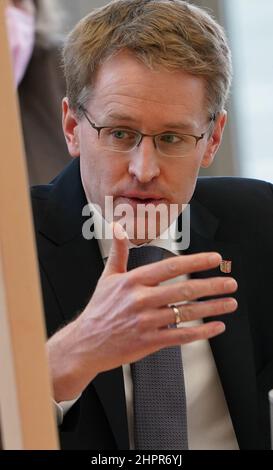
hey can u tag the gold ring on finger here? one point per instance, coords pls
(177, 313)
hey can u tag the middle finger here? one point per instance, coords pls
(189, 290)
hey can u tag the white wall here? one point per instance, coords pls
(79, 8)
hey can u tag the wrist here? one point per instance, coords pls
(68, 374)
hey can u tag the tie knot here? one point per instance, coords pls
(144, 255)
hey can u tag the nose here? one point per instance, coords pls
(144, 162)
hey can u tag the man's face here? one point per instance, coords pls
(129, 94)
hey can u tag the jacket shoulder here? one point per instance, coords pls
(242, 195)
(39, 197)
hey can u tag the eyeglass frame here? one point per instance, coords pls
(141, 135)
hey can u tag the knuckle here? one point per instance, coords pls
(138, 299)
(187, 292)
(186, 313)
(196, 261)
(219, 283)
(210, 285)
(213, 307)
(172, 267)
(186, 335)
(141, 324)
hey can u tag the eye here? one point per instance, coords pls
(170, 138)
(120, 134)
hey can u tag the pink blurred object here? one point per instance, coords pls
(21, 34)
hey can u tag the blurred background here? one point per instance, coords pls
(247, 147)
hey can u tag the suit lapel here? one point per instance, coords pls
(233, 350)
(73, 266)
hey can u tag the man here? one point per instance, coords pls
(147, 83)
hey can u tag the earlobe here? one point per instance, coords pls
(70, 129)
(208, 160)
(215, 140)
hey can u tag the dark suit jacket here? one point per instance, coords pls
(231, 215)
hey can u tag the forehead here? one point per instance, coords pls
(126, 85)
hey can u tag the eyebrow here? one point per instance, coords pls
(182, 126)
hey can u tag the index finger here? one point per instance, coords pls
(154, 273)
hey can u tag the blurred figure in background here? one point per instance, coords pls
(34, 34)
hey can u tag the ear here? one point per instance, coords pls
(70, 129)
(214, 140)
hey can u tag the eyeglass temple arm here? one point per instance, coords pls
(81, 108)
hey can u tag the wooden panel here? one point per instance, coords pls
(26, 411)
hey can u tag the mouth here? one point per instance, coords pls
(136, 200)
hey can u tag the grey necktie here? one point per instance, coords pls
(160, 417)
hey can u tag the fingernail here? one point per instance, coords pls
(230, 284)
(220, 328)
(230, 305)
(215, 258)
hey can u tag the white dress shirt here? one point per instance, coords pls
(209, 423)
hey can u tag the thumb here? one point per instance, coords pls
(118, 256)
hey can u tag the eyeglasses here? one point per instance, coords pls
(169, 144)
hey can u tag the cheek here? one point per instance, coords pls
(112, 171)
(102, 172)
(182, 179)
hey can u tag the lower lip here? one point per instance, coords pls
(134, 202)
